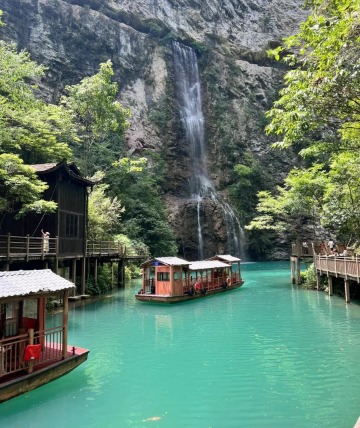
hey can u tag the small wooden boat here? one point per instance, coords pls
(173, 280)
(31, 354)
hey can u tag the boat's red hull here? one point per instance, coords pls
(155, 298)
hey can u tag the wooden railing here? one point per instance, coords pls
(25, 246)
(345, 267)
(311, 248)
(12, 350)
(94, 248)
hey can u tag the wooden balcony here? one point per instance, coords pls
(25, 248)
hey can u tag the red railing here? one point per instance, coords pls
(12, 350)
(209, 283)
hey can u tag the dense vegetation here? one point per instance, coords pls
(86, 126)
(318, 114)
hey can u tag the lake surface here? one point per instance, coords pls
(265, 355)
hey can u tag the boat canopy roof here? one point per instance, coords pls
(226, 258)
(168, 261)
(208, 264)
(23, 283)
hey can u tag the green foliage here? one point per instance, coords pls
(250, 177)
(103, 281)
(20, 187)
(308, 277)
(297, 203)
(341, 208)
(138, 185)
(103, 212)
(131, 246)
(101, 120)
(35, 131)
(318, 113)
(30, 132)
(161, 113)
(319, 103)
(200, 48)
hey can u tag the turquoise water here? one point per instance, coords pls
(265, 355)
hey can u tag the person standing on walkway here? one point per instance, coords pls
(45, 236)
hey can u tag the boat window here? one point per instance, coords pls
(177, 275)
(11, 327)
(30, 309)
(163, 276)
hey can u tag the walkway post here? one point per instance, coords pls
(96, 271)
(318, 281)
(347, 290)
(298, 276)
(83, 276)
(330, 285)
(65, 322)
(73, 271)
(121, 272)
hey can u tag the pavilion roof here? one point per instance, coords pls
(27, 282)
(208, 264)
(172, 261)
(226, 258)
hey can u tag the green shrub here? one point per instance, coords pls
(104, 281)
(308, 277)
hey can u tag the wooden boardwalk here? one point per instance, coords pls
(25, 248)
(329, 265)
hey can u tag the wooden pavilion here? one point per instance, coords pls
(31, 353)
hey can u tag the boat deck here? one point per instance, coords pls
(56, 357)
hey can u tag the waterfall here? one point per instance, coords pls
(188, 97)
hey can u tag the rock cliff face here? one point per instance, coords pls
(238, 81)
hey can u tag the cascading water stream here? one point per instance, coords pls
(188, 93)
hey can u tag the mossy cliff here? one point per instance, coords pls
(238, 82)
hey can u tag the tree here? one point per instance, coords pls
(104, 213)
(296, 207)
(319, 105)
(101, 120)
(319, 114)
(138, 185)
(29, 128)
(20, 189)
(341, 208)
(30, 132)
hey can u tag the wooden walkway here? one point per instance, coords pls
(331, 266)
(25, 248)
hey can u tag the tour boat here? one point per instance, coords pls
(173, 280)
(31, 354)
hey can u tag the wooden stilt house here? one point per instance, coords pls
(22, 243)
